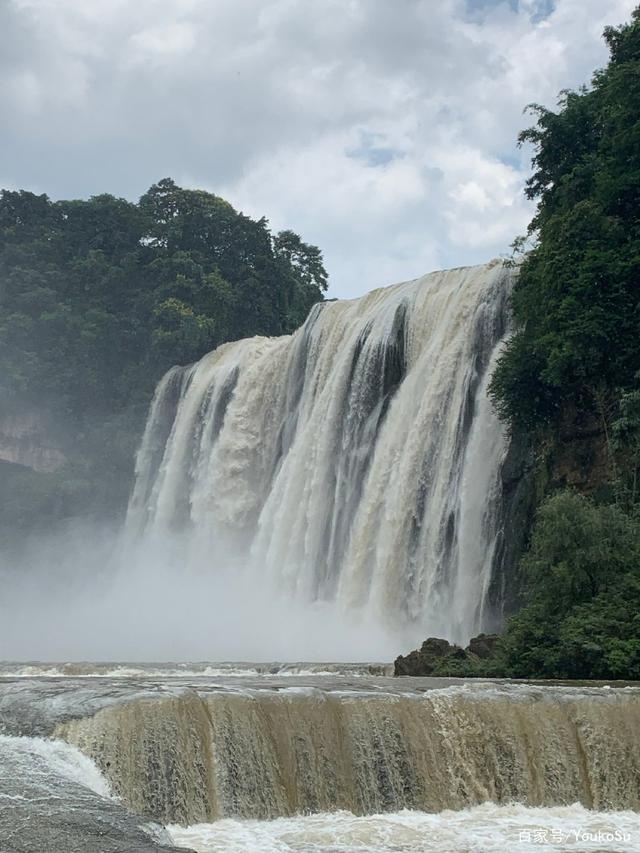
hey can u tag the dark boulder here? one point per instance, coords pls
(408, 665)
(438, 657)
(424, 661)
(483, 646)
(435, 648)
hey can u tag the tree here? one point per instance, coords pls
(576, 300)
(99, 297)
(582, 612)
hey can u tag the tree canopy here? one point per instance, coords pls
(577, 297)
(582, 572)
(99, 297)
(576, 353)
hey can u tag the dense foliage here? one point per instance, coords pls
(577, 298)
(568, 383)
(99, 298)
(575, 357)
(582, 618)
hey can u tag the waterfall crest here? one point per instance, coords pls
(195, 758)
(356, 461)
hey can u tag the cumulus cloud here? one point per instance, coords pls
(383, 132)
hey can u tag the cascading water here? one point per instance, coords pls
(357, 461)
(356, 468)
(264, 754)
(247, 762)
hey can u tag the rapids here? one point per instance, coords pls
(483, 829)
(263, 754)
(254, 761)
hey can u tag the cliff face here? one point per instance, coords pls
(574, 456)
(577, 456)
(27, 439)
(518, 475)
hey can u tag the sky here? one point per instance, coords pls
(383, 131)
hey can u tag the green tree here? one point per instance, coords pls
(576, 300)
(626, 444)
(99, 297)
(582, 612)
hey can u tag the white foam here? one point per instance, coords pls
(488, 828)
(195, 670)
(61, 758)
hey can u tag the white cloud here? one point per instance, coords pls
(162, 43)
(384, 132)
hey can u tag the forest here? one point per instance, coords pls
(574, 365)
(569, 382)
(99, 298)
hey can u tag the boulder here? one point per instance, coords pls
(439, 657)
(425, 660)
(483, 646)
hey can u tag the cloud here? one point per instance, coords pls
(383, 132)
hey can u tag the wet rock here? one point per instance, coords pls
(28, 439)
(438, 657)
(424, 661)
(47, 805)
(483, 646)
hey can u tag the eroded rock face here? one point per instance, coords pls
(25, 440)
(483, 646)
(439, 657)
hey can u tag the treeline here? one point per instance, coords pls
(99, 297)
(568, 386)
(572, 369)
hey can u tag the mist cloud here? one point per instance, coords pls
(88, 592)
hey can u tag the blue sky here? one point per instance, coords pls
(384, 132)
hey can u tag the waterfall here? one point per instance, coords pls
(356, 461)
(197, 757)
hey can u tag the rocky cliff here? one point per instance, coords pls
(28, 439)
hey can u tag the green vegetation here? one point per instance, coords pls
(575, 358)
(582, 617)
(569, 381)
(577, 299)
(99, 298)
